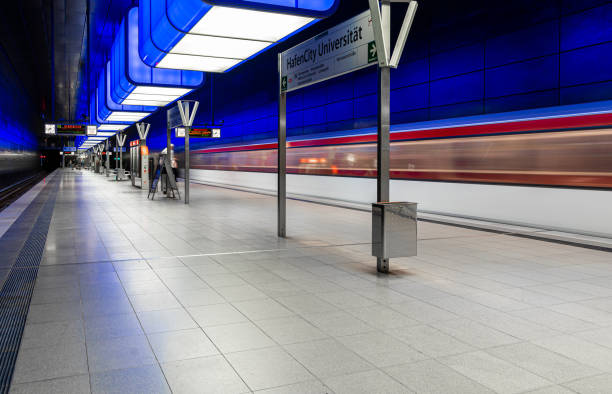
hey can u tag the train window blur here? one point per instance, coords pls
(577, 158)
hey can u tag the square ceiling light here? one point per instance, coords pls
(134, 82)
(217, 35)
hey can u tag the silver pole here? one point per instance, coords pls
(107, 166)
(187, 130)
(282, 161)
(168, 157)
(384, 123)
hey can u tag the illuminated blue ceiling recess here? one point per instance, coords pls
(218, 35)
(133, 82)
(110, 111)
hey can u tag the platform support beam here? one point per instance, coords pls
(282, 162)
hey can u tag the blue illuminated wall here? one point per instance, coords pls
(463, 58)
(18, 128)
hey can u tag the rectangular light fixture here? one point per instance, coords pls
(217, 35)
(248, 24)
(189, 62)
(127, 116)
(112, 127)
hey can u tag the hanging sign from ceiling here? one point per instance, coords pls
(70, 129)
(199, 132)
(345, 48)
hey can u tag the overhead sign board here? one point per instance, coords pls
(70, 149)
(345, 48)
(204, 132)
(199, 132)
(70, 129)
(116, 149)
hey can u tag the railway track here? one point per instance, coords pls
(16, 190)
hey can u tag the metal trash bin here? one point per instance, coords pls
(394, 231)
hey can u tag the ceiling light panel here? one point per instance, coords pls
(217, 35)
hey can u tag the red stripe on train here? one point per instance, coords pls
(458, 131)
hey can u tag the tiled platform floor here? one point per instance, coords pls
(155, 296)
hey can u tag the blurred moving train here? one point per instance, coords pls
(559, 152)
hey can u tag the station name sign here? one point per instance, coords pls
(345, 48)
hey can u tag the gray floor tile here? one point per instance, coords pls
(70, 385)
(268, 368)
(601, 384)
(199, 297)
(119, 353)
(52, 334)
(495, 373)
(144, 379)
(423, 312)
(166, 320)
(262, 309)
(474, 333)
(238, 337)
(584, 352)
(304, 304)
(552, 390)
(216, 315)
(381, 350)
(310, 387)
(113, 326)
(46, 313)
(291, 329)
(542, 362)
(106, 306)
(181, 345)
(154, 302)
(430, 341)
(326, 358)
(432, 377)
(338, 323)
(368, 382)
(382, 317)
(50, 362)
(56, 295)
(240, 293)
(203, 375)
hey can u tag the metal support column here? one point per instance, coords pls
(168, 157)
(282, 162)
(187, 131)
(107, 163)
(384, 123)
